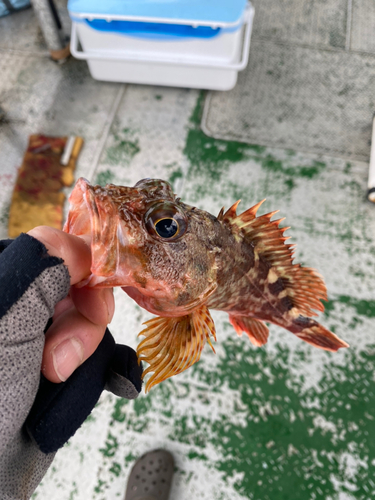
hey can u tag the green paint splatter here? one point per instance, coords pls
(158, 97)
(104, 178)
(274, 165)
(142, 405)
(176, 174)
(99, 488)
(363, 307)
(290, 183)
(130, 458)
(118, 414)
(91, 418)
(4, 216)
(208, 156)
(211, 157)
(196, 115)
(200, 456)
(111, 446)
(124, 149)
(115, 469)
(74, 492)
(291, 444)
(256, 148)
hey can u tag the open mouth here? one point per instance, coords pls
(93, 212)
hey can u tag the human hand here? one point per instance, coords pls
(38, 415)
(81, 318)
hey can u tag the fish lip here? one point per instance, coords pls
(84, 184)
(111, 236)
(103, 230)
(79, 221)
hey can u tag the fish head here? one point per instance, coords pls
(144, 239)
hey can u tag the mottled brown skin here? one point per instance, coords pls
(243, 288)
(235, 263)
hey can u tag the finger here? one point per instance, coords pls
(70, 340)
(73, 250)
(62, 306)
(97, 305)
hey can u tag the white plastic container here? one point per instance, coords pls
(182, 43)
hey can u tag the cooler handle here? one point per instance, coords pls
(101, 54)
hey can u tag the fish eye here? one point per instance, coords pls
(166, 228)
(165, 221)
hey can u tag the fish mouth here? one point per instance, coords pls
(94, 212)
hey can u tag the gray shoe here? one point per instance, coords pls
(151, 477)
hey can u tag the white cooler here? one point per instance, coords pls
(180, 43)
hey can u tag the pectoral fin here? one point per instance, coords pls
(174, 344)
(256, 330)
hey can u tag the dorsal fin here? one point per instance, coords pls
(221, 214)
(247, 216)
(231, 213)
(303, 285)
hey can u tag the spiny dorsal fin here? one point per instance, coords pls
(242, 219)
(231, 213)
(221, 214)
(174, 344)
(303, 285)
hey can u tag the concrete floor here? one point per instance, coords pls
(286, 421)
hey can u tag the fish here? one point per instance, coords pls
(178, 262)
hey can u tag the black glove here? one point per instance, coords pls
(60, 409)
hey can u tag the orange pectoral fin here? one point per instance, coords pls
(174, 344)
(256, 330)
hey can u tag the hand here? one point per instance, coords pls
(81, 318)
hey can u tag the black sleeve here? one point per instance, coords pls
(21, 262)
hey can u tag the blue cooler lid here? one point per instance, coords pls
(223, 13)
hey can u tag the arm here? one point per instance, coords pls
(32, 283)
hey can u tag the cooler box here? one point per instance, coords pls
(180, 43)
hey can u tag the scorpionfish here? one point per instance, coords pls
(178, 262)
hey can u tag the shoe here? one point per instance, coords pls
(151, 477)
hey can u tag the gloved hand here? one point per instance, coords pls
(60, 409)
(37, 416)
